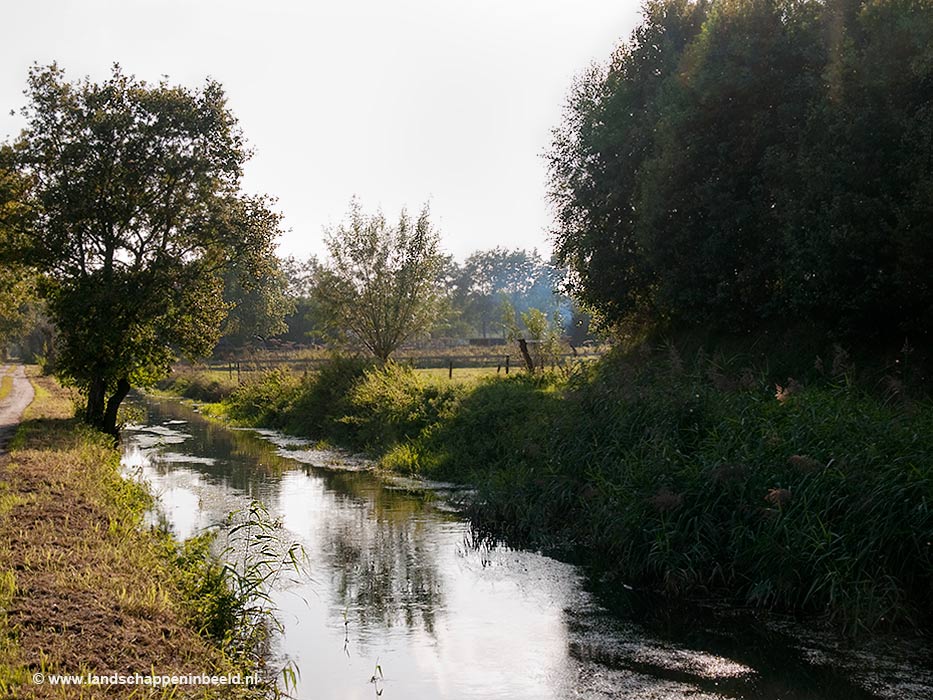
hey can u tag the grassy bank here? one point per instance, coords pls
(692, 478)
(85, 589)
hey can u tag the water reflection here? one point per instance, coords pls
(395, 584)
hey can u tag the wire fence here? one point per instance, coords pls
(502, 362)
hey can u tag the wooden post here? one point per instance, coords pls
(450, 370)
(506, 364)
(238, 372)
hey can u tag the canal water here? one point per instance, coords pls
(397, 600)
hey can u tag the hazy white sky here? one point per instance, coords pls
(396, 101)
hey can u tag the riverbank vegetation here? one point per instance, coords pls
(750, 178)
(689, 475)
(86, 589)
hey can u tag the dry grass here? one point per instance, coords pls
(82, 588)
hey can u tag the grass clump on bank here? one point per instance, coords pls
(706, 479)
(84, 588)
(349, 401)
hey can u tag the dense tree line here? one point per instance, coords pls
(742, 164)
(484, 297)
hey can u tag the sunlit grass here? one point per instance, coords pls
(70, 527)
(462, 375)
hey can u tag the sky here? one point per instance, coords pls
(398, 102)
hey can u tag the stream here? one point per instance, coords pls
(398, 601)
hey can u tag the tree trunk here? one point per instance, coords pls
(109, 424)
(94, 413)
(526, 356)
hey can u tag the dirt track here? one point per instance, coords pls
(12, 407)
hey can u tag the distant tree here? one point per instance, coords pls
(258, 296)
(135, 214)
(303, 322)
(380, 286)
(489, 277)
(538, 336)
(19, 304)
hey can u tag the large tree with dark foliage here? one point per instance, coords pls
(135, 213)
(742, 163)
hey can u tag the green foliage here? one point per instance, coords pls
(699, 479)
(263, 401)
(213, 607)
(19, 303)
(380, 286)
(231, 603)
(742, 163)
(490, 278)
(349, 400)
(321, 400)
(256, 294)
(303, 320)
(308, 405)
(392, 404)
(134, 215)
(685, 477)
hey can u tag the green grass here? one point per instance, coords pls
(464, 375)
(689, 478)
(71, 531)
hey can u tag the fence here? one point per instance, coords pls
(504, 363)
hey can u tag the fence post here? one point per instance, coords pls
(450, 370)
(238, 372)
(506, 364)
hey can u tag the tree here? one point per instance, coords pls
(597, 157)
(257, 294)
(749, 163)
(135, 212)
(543, 333)
(17, 281)
(381, 285)
(489, 277)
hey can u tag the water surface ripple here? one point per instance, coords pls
(394, 581)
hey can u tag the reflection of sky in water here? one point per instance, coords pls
(392, 581)
(303, 451)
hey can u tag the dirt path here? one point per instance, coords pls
(12, 407)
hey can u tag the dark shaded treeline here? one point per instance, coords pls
(742, 164)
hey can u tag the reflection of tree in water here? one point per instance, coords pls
(244, 460)
(377, 541)
(384, 571)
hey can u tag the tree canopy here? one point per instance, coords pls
(380, 285)
(750, 162)
(134, 216)
(489, 278)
